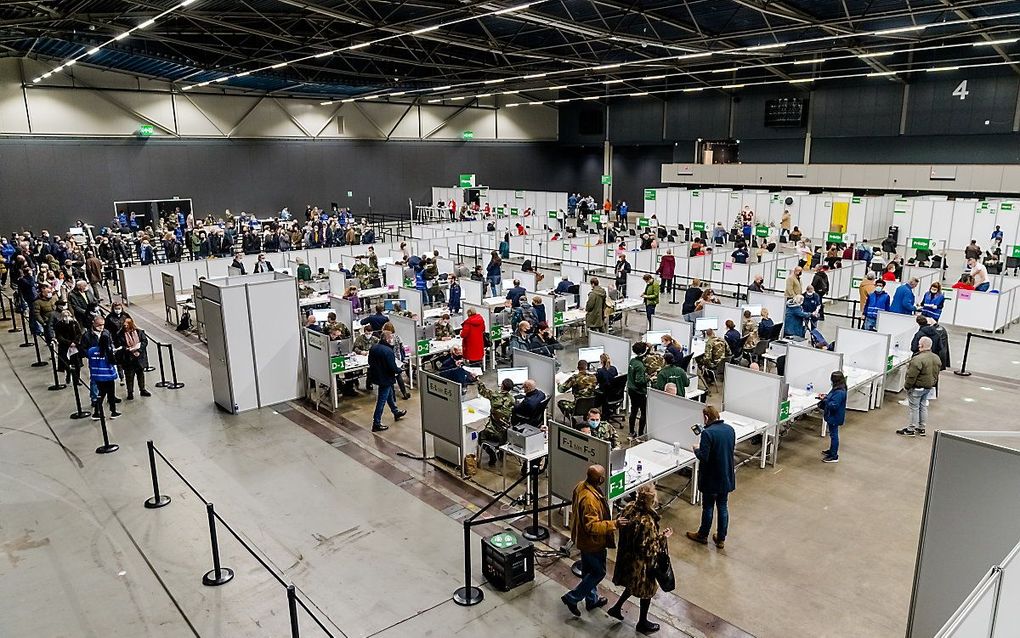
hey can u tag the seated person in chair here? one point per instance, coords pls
(732, 337)
(451, 367)
(671, 374)
(529, 410)
(501, 407)
(595, 426)
(444, 331)
(715, 353)
(582, 385)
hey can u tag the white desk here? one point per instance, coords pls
(381, 291)
(314, 300)
(745, 428)
(629, 303)
(658, 460)
(493, 302)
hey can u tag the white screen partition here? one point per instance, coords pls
(753, 394)
(541, 369)
(680, 330)
(670, 418)
(862, 348)
(470, 291)
(570, 454)
(344, 311)
(776, 304)
(527, 280)
(970, 476)
(722, 313)
(618, 348)
(806, 365)
(410, 298)
(635, 286)
(901, 328)
(394, 275)
(573, 273)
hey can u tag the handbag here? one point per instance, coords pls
(662, 569)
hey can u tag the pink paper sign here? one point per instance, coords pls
(964, 295)
(728, 266)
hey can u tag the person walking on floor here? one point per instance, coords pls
(922, 375)
(833, 405)
(650, 297)
(666, 270)
(637, 388)
(716, 476)
(383, 371)
(592, 530)
(104, 375)
(640, 543)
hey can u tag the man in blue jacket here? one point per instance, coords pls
(877, 300)
(716, 475)
(903, 299)
(383, 371)
(515, 293)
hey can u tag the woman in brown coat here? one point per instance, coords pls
(640, 542)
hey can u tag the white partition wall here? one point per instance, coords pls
(670, 418)
(680, 330)
(540, 368)
(806, 365)
(344, 311)
(618, 348)
(900, 328)
(471, 291)
(722, 313)
(972, 483)
(527, 280)
(774, 303)
(862, 349)
(753, 394)
(411, 300)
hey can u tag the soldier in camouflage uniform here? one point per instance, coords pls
(360, 270)
(600, 429)
(399, 311)
(332, 324)
(501, 406)
(365, 341)
(373, 259)
(653, 363)
(444, 330)
(716, 351)
(582, 385)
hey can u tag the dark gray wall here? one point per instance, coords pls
(635, 168)
(51, 183)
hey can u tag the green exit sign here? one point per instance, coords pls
(1015, 252)
(920, 243)
(698, 226)
(650, 194)
(607, 179)
(834, 238)
(467, 135)
(145, 130)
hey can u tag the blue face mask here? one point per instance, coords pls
(593, 423)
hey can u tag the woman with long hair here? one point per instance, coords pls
(133, 359)
(640, 543)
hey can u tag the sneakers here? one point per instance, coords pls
(830, 459)
(95, 415)
(919, 431)
(697, 538)
(907, 431)
(399, 414)
(130, 397)
(903, 402)
(114, 415)
(571, 606)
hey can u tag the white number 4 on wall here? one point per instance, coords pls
(961, 90)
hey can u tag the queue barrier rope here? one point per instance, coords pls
(963, 372)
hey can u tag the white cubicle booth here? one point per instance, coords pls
(618, 348)
(453, 424)
(682, 331)
(969, 529)
(542, 370)
(775, 303)
(865, 363)
(901, 330)
(807, 373)
(253, 332)
(752, 399)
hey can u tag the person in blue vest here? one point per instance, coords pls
(103, 373)
(877, 300)
(933, 301)
(833, 405)
(716, 476)
(383, 371)
(997, 233)
(903, 299)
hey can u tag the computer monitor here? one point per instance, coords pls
(517, 375)
(755, 310)
(590, 354)
(389, 304)
(706, 323)
(654, 337)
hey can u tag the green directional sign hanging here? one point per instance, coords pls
(552, 214)
(467, 180)
(920, 243)
(607, 179)
(514, 212)
(642, 222)
(834, 238)
(888, 363)
(496, 332)
(500, 212)
(699, 226)
(617, 484)
(1015, 253)
(337, 364)
(784, 410)
(596, 219)
(649, 194)
(761, 230)
(1007, 206)
(146, 130)
(557, 319)
(855, 200)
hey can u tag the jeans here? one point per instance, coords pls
(424, 297)
(650, 312)
(708, 503)
(917, 402)
(385, 397)
(593, 570)
(834, 441)
(494, 284)
(983, 287)
(869, 323)
(638, 403)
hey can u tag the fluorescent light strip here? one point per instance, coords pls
(766, 47)
(145, 25)
(732, 69)
(994, 42)
(637, 94)
(613, 81)
(878, 74)
(880, 54)
(801, 80)
(733, 86)
(495, 81)
(815, 61)
(918, 27)
(942, 68)
(649, 78)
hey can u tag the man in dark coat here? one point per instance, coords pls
(716, 476)
(383, 371)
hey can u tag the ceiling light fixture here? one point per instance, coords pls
(994, 42)
(733, 69)
(649, 78)
(814, 61)
(942, 68)
(148, 23)
(880, 54)
(917, 27)
(766, 47)
(878, 74)
(732, 86)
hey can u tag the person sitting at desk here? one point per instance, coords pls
(529, 410)
(521, 339)
(545, 342)
(351, 295)
(673, 347)
(444, 331)
(966, 282)
(304, 271)
(812, 304)
(378, 320)
(454, 302)
(595, 426)
(399, 311)
(671, 373)
(451, 367)
(933, 301)
(758, 285)
(514, 294)
(538, 310)
(890, 272)
(364, 341)
(563, 288)
(261, 265)
(715, 351)
(691, 296)
(238, 264)
(765, 325)
(312, 323)
(501, 408)
(740, 255)
(749, 331)
(582, 385)
(606, 374)
(732, 337)
(332, 324)
(795, 319)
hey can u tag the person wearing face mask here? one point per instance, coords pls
(592, 531)
(42, 308)
(145, 253)
(598, 428)
(67, 333)
(132, 344)
(238, 264)
(878, 300)
(833, 405)
(932, 302)
(97, 346)
(444, 331)
(261, 265)
(716, 476)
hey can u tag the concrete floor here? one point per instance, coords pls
(373, 539)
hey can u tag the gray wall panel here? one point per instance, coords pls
(749, 115)
(850, 111)
(691, 117)
(915, 149)
(70, 179)
(932, 109)
(636, 168)
(636, 120)
(754, 151)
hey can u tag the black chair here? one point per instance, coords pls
(759, 351)
(777, 332)
(612, 401)
(537, 419)
(581, 408)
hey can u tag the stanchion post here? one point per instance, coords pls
(672, 289)
(162, 371)
(173, 370)
(3, 309)
(79, 413)
(57, 385)
(106, 447)
(24, 331)
(535, 532)
(38, 363)
(158, 500)
(218, 575)
(962, 372)
(467, 595)
(14, 317)
(295, 631)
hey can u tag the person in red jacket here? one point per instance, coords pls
(472, 335)
(667, 266)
